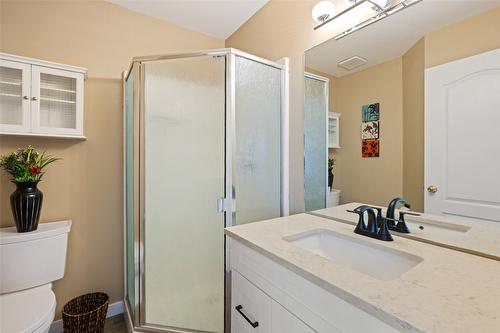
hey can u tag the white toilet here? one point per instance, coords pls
(333, 198)
(29, 263)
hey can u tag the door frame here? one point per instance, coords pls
(429, 88)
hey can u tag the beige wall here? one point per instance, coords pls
(371, 180)
(413, 125)
(464, 39)
(86, 185)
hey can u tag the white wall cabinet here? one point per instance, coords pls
(281, 301)
(333, 130)
(40, 98)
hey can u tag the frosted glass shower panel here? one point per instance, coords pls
(184, 176)
(258, 141)
(315, 145)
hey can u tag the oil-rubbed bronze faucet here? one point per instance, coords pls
(400, 224)
(378, 226)
(372, 229)
(392, 207)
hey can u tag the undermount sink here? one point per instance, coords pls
(421, 227)
(378, 261)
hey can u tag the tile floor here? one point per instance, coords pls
(115, 324)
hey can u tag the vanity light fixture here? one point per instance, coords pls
(322, 11)
(378, 10)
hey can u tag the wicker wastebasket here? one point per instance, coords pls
(86, 313)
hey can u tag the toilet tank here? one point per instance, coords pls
(34, 258)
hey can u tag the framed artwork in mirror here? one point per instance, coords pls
(370, 130)
(370, 112)
(370, 148)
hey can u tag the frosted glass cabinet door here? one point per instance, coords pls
(315, 145)
(57, 105)
(184, 147)
(258, 141)
(14, 96)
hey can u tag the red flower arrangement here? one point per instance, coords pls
(26, 164)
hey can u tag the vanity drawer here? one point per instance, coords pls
(249, 301)
(283, 321)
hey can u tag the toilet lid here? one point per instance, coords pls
(25, 311)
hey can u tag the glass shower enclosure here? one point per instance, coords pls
(204, 148)
(315, 141)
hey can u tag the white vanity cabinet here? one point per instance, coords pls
(40, 98)
(275, 299)
(254, 311)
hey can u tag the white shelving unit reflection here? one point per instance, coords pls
(333, 130)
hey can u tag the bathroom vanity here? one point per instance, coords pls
(306, 273)
(477, 237)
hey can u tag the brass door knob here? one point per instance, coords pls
(432, 189)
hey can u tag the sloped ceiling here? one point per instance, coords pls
(217, 18)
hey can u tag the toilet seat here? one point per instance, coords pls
(28, 311)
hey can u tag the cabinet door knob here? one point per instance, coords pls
(34, 98)
(26, 97)
(432, 189)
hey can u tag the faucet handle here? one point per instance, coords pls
(402, 214)
(378, 217)
(371, 227)
(361, 226)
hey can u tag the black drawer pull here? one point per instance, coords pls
(254, 324)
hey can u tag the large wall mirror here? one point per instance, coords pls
(369, 94)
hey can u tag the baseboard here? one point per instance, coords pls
(113, 310)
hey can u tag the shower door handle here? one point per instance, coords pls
(224, 204)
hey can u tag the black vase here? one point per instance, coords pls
(330, 180)
(26, 204)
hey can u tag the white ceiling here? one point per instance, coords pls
(217, 18)
(393, 36)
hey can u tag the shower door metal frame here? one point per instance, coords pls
(136, 197)
(326, 81)
(138, 323)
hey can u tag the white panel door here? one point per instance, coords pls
(462, 139)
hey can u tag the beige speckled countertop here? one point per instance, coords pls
(481, 238)
(449, 291)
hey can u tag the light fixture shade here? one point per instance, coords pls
(322, 10)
